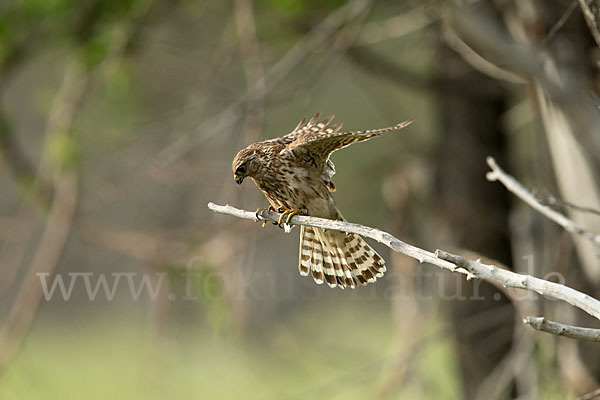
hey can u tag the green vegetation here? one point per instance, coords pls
(291, 358)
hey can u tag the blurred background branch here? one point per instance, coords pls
(591, 11)
(224, 120)
(59, 168)
(515, 187)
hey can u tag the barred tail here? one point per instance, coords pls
(338, 258)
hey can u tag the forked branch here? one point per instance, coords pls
(451, 262)
(514, 186)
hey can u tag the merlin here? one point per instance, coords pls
(294, 172)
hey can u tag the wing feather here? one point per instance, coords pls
(305, 128)
(315, 141)
(318, 142)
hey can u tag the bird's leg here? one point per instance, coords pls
(271, 208)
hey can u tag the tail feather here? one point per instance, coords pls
(329, 268)
(345, 259)
(307, 241)
(356, 249)
(338, 258)
(317, 263)
(332, 259)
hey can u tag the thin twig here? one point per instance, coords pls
(543, 287)
(556, 328)
(591, 395)
(442, 259)
(514, 186)
(476, 60)
(550, 200)
(484, 35)
(591, 11)
(500, 380)
(253, 69)
(375, 234)
(287, 64)
(397, 26)
(560, 23)
(379, 66)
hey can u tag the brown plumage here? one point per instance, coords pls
(294, 172)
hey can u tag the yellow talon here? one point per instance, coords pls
(287, 212)
(291, 214)
(282, 216)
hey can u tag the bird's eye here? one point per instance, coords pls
(241, 170)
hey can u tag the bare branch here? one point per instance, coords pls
(375, 234)
(377, 65)
(59, 126)
(480, 31)
(396, 26)
(477, 61)
(556, 328)
(442, 259)
(36, 189)
(514, 186)
(44, 262)
(543, 287)
(561, 22)
(550, 200)
(591, 11)
(253, 69)
(589, 396)
(273, 77)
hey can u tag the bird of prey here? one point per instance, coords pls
(294, 172)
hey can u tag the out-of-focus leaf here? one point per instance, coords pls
(45, 8)
(63, 150)
(204, 285)
(95, 50)
(298, 7)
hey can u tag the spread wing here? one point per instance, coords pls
(307, 128)
(318, 142)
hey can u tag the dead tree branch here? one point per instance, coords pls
(60, 218)
(556, 328)
(591, 11)
(589, 396)
(46, 258)
(375, 234)
(478, 29)
(550, 200)
(442, 259)
(287, 64)
(514, 186)
(510, 279)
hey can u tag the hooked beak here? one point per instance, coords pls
(238, 179)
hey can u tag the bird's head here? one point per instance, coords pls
(246, 163)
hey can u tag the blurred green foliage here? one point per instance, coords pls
(63, 150)
(298, 357)
(299, 8)
(205, 285)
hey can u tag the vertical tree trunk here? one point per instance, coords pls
(472, 209)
